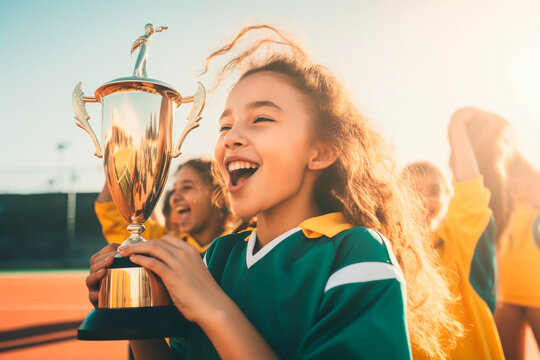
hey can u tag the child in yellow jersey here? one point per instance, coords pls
(337, 240)
(200, 210)
(196, 210)
(463, 233)
(519, 261)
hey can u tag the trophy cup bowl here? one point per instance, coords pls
(138, 119)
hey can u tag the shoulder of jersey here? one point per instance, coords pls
(363, 243)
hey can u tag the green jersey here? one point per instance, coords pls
(323, 290)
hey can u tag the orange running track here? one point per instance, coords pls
(40, 311)
(39, 314)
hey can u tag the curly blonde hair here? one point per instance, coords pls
(363, 183)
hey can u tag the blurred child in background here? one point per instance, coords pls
(519, 262)
(199, 209)
(463, 233)
(515, 185)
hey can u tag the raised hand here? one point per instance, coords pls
(462, 116)
(462, 157)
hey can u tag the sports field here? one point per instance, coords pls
(41, 310)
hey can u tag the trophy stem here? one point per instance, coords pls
(135, 238)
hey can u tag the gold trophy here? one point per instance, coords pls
(137, 136)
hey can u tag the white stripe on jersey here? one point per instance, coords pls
(204, 260)
(363, 272)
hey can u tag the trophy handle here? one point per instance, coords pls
(82, 116)
(194, 116)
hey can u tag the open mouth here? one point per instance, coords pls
(241, 171)
(183, 210)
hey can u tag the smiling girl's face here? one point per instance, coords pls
(265, 145)
(192, 201)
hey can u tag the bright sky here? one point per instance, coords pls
(408, 65)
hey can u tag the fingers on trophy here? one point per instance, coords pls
(137, 147)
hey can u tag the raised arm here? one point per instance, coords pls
(113, 226)
(104, 196)
(462, 157)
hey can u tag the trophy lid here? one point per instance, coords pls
(136, 83)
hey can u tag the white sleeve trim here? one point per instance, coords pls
(204, 260)
(363, 272)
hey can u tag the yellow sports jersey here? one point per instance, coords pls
(519, 258)
(114, 227)
(465, 242)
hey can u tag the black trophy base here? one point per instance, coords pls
(134, 323)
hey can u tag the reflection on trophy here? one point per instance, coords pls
(137, 137)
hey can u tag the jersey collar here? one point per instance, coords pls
(191, 241)
(325, 225)
(253, 258)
